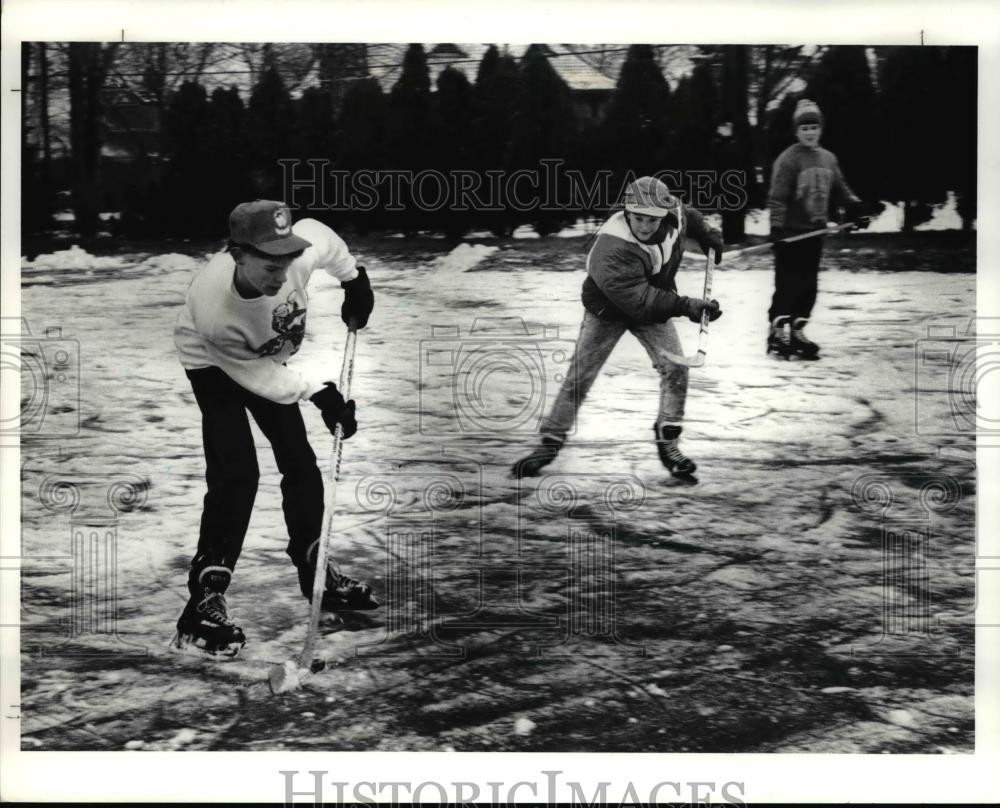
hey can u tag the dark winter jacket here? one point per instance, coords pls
(634, 282)
(804, 183)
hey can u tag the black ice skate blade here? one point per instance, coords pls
(680, 478)
(188, 645)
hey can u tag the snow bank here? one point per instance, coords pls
(525, 231)
(169, 262)
(464, 257)
(76, 258)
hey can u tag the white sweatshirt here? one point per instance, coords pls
(250, 339)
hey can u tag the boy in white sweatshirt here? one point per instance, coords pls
(244, 316)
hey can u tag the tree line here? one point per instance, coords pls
(903, 125)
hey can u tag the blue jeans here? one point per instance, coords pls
(593, 347)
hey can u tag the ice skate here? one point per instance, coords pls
(205, 623)
(779, 339)
(802, 346)
(675, 461)
(532, 464)
(341, 593)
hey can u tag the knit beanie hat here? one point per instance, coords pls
(650, 197)
(807, 111)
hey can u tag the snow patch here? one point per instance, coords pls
(581, 228)
(464, 257)
(170, 262)
(524, 726)
(74, 258)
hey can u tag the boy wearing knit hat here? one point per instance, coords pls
(630, 286)
(244, 317)
(806, 180)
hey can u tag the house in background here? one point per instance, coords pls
(589, 86)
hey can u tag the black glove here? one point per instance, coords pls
(713, 241)
(777, 234)
(358, 300)
(335, 410)
(861, 214)
(693, 307)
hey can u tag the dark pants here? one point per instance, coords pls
(232, 472)
(796, 277)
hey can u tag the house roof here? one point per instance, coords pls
(576, 72)
(385, 63)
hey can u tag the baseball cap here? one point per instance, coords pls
(266, 226)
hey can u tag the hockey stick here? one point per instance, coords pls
(698, 359)
(288, 676)
(790, 240)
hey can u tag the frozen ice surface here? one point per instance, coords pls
(782, 537)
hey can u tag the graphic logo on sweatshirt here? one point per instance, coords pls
(289, 321)
(813, 190)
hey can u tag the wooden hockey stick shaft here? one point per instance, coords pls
(322, 552)
(764, 245)
(706, 295)
(698, 359)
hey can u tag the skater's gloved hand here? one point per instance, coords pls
(335, 410)
(777, 234)
(359, 300)
(694, 306)
(348, 420)
(861, 213)
(713, 241)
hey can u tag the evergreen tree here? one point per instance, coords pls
(409, 111)
(184, 208)
(314, 138)
(842, 87)
(361, 136)
(270, 123)
(361, 146)
(914, 131)
(543, 128)
(452, 128)
(226, 145)
(409, 132)
(780, 131)
(961, 128)
(696, 112)
(495, 94)
(636, 133)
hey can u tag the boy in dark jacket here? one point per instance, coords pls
(630, 286)
(805, 181)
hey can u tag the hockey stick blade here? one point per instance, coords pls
(695, 361)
